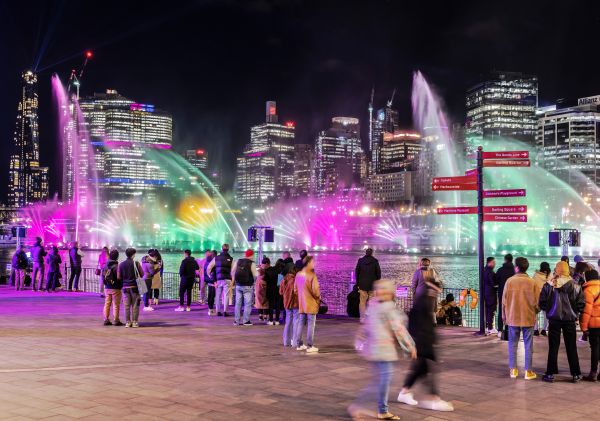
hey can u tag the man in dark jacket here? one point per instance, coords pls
(506, 271)
(19, 264)
(187, 272)
(244, 274)
(75, 260)
(490, 295)
(367, 272)
(37, 255)
(288, 263)
(129, 272)
(54, 261)
(221, 265)
(112, 289)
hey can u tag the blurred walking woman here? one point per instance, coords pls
(309, 299)
(102, 259)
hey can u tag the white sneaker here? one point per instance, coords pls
(156, 301)
(210, 313)
(180, 309)
(270, 323)
(135, 324)
(437, 405)
(301, 348)
(494, 332)
(276, 323)
(148, 308)
(128, 324)
(188, 309)
(312, 350)
(407, 398)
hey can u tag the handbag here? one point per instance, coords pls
(323, 307)
(141, 283)
(98, 271)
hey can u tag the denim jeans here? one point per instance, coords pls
(74, 278)
(222, 299)
(289, 330)
(378, 388)
(310, 320)
(52, 281)
(514, 333)
(38, 269)
(132, 304)
(243, 294)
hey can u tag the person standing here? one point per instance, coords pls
(562, 300)
(103, 257)
(301, 262)
(367, 271)
(208, 279)
(151, 268)
(261, 303)
(384, 329)
(290, 304)
(53, 260)
(519, 308)
(75, 257)
(288, 262)
(490, 295)
(222, 268)
(157, 279)
(309, 299)
(421, 327)
(187, 274)
(112, 289)
(128, 272)
(423, 276)
(20, 263)
(506, 271)
(571, 268)
(244, 273)
(272, 274)
(540, 277)
(38, 253)
(590, 321)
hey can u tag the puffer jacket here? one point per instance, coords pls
(286, 289)
(590, 317)
(562, 299)
(367, 272)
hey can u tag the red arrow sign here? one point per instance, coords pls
(506, 155)
(457, 210)
(454, 180)
(471, 173)
(505, 209)
(455, 186)
(505, 218)
(507, 163)
(505, 193)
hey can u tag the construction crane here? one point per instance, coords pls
(371, 119)
(391, 100)
(75, 77)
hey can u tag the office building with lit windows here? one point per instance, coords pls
(502, 106)
(399, 150)
(339, 158)
(303, 171)
(128, 139)
(198, 158)
(568, 138)
(386, 120)
(390, 188)
(28, 181)
(266, 168)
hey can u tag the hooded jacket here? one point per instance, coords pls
(367, 272)
(561, 298)
(38, 253)
(114, 283)
(590, 317)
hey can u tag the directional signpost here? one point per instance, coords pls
(473, 180)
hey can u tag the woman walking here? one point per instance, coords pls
(384, 328)
(562, 300)
(102, 259)
(260, 290)
(309, 299)
(590, 320)
(540, 277)
(290, 304)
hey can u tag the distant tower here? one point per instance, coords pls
(371, 121)
(28, 182)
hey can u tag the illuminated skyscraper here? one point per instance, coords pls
(127, 138)
(197, 157)
(338, 158)
(303, 171)
(385, 121)
(266, 168)
(28, 182)
(502, 106)
(399, 150)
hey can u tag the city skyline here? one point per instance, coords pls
(342, 76)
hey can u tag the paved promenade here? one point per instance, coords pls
(59, 362)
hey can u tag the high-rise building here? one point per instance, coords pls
(303, 171)
(198, 158)
(338, 157)
(386, 121)
(399, 150)
(128, 139)
(568, 138)
(390, 188)
(28, 181)
(266, 168)
(502, 106)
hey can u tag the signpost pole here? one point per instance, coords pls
(480, 243)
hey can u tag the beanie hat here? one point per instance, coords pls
(578, 258)
(249, 253)
(562, 269)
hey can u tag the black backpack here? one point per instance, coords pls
(454, 316)
(243, 273)
(352, 308)
(107, 276)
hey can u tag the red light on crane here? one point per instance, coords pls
(88, 54)
(199, 152)
(289, 124)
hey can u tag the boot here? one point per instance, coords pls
(592, 377)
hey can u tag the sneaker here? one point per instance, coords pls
(312, 350)
(407, 398)
(301, 348)
(387, 416)
(225, 314)
(514, 373)
(436, 405)
(544, 333)
(210, 313)
(577, 378)
(536, 332)
(276, 323)
(583, 338)
(219, 314)
(148, 308)
(248, 323)
(270, 323)
(107, 323)
(135, 324)
(128, 324)
(118, 323)
(530, 375)
(180, 309)
(235, 323)
(548, 378)
(188, 309)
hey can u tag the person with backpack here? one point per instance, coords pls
(222, 265)
(20, 264)
(244, 274)
(590, 321)
(367, 271)
(290, 304)
(187, 273)
(112, 289)
(38, 253)
(128, 273)
(53, 261)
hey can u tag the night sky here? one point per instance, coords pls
(213, 64)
